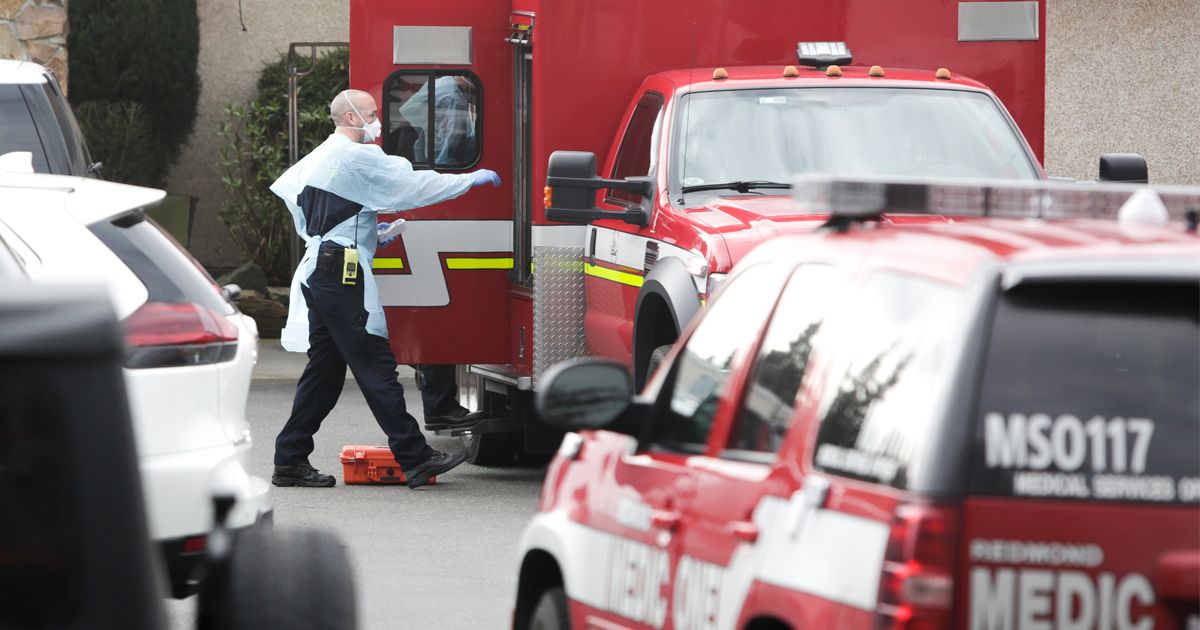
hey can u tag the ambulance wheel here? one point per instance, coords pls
(551, 612)
(492, 449)
(283, 578)
(656, 359)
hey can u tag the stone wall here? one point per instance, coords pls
(230, 62)
(35, 30)
(1120, 78)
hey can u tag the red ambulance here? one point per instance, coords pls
(687, 118)
(987, 419)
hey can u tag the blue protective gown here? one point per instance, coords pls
(363, 174)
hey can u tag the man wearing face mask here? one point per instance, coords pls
(334, 195)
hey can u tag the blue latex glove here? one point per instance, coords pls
(383, 226)
(484, 176)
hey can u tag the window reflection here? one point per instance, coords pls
(701, 372)
(451, 139)
(766, 410)
(887, 380)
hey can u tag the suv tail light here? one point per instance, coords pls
(164, 334)
(916, 590)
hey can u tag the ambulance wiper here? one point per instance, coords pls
(742, 187)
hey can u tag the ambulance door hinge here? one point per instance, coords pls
(521, 344)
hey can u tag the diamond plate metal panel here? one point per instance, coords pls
(559, 302)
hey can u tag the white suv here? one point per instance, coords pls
(189, 351)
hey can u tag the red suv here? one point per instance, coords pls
(958, 405)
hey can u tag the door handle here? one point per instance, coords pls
(744, 531)
(664, 519)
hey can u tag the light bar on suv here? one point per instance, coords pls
(866, 198)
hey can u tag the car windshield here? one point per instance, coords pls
(766, 137)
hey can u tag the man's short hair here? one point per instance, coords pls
(341, 103)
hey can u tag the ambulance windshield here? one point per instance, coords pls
(771, 135)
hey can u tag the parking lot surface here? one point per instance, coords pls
(444, 556)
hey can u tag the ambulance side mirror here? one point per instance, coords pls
(571, 185)
(1129, 168)
(584, 393)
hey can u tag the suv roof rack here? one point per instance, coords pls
(857, 199)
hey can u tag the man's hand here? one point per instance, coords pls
(389, 232)
(484, 176)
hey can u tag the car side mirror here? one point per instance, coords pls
(571, 185)
(585, 393)
(231, 292)
(1129, 168)
(96, 169)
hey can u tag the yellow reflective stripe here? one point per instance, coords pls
(479, 263)
(631, 279)
(388, 263)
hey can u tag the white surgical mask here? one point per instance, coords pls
(372, 130)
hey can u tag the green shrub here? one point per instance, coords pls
(256, 154)
(141, 51)
(120, 135)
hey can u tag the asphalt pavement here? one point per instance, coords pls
(443, 556)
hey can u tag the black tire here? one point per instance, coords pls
(656, 359)
(284, 579)
(492, 449)
(551, 612)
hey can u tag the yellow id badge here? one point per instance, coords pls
(350, 266)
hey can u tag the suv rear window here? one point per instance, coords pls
(17, 130)
(1092, 392)
(168, 271)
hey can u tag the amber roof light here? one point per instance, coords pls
(791, 72)
(876, 71)
(942, 74)
(833, 71)
(720, 74)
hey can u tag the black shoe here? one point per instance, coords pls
(455, 420)
(303, 476)
(437, 464)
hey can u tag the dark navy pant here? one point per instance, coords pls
(439, 389)
(338, 338)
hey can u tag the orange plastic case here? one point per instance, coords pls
(370, 465)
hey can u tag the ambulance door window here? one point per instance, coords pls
(635, 158)
(700, 375)
(445, 136)
(766, 410)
